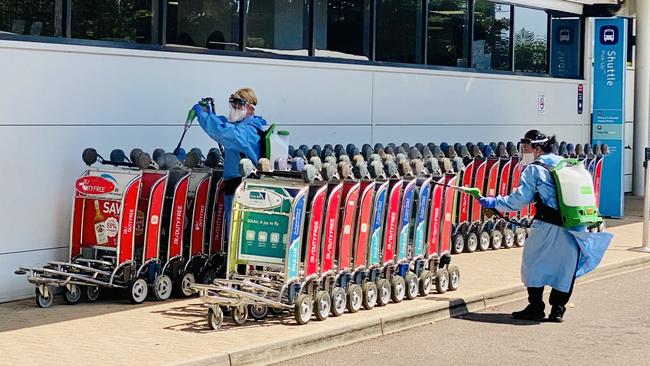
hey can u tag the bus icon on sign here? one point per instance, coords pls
(609, 35)
(565, 35)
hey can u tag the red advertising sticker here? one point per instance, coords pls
(90, 185)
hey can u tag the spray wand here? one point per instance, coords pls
(191, 115)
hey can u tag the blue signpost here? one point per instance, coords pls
(608, 118)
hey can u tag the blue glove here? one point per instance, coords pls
(198, 109)
(488, 202)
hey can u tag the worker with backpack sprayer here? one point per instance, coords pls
(241, 134)
(559, 248)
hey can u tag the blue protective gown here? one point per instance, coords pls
(553, 255)
(236, 138)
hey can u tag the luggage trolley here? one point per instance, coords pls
(404, 251)
(268, 222)
(196, 254)
(502, 224)
(345, 293)
(108, 215)
(391, 220)
(489, 187)
(436, 262)
(463, 238)
(215, 266)
(365, 262)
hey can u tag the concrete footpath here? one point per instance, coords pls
(112, 332)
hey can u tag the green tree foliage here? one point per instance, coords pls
(117, 20)
(530, 52)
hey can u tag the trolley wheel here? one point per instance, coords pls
(471, 243)
(483, 241)
(426, 282)
(302, 309)
(369, 295)
(398, 289)
(339, 301)
(496, 239)
(162, 287)
(215, 317)
(137, 291)
(322, 305)
(383, 290)
(411, 283)
(44, 301)
(458, 244)
(454, 278)
(208, 277)
(276, 311)
(240, 314)
(182, 286)
(508, 238)
(92, 293)
(520, 237)
(442, 280)
(355, 298)
(72, 294)
(258, 312)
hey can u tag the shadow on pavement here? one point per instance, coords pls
(23, 314)
(193, 319)
(495, 318)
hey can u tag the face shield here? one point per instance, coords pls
(238, 109)
(526, 147)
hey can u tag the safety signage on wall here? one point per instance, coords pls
(609, 108)
(541, 104)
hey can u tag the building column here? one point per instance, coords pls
(642, 93)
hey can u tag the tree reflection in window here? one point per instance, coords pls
(117, 20)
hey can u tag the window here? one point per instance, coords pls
(491, 41)
(565, 44)
(447, 27)
(530, 40)
(116, 20)
(342, 28)
(212, 24)
(398, 31)
(279, 26)
(35, 18)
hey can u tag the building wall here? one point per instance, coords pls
(59, 99)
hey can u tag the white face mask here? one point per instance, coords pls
(527, 158)
(237, 115)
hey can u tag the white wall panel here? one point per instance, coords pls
(14, 287)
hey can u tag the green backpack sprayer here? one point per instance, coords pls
(575, 194)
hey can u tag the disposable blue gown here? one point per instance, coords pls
(236, 138)
(553, 255)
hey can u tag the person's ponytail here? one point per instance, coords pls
(549, 146)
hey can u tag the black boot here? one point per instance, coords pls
(531, 312)
(556, 314)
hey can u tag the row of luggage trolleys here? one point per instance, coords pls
(324, 247)
(135, 229)
(310, 247)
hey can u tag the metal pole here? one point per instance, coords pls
(645, 239)
(642, 93)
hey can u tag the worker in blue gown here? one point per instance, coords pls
(240, 135)
(553, 255)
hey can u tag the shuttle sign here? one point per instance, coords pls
(609, 108)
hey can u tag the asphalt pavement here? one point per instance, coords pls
(607, 322)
